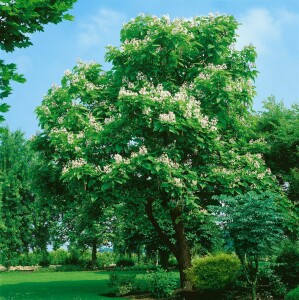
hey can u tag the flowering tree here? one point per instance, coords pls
(162, 129)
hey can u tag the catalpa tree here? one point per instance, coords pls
(163, 129)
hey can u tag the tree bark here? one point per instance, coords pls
(184, 255)
(181, 249)
(94, 254)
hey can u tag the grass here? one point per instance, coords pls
(54, 285)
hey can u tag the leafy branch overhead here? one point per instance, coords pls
(19, 19)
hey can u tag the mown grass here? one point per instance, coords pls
(54, 285)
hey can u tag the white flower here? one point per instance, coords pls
(146, 111)
(142, 150)
(167, 118)
(167, 161)
(109, 120)
(107, 169)
(178, 182)
(118, 158)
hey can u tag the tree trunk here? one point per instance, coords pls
(181, 249)
(253, 291)
(94, 255)
(183, 252)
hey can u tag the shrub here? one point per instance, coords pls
(214, 272)
(105, 259)
(172, 262)
(162, 284)
(45, 260)
(288, 264)
(122, 284)
(293, 294)
(270, 282)
(69, 268)
(125, 262)
(58, 257)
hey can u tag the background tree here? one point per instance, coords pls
(278, 126)
(253, 222)
(17, 200)
(18, 19)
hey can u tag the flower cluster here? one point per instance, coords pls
(74, 164)
(164, 159)
(216, 67)
(167, 118)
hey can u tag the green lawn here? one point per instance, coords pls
(54, 285)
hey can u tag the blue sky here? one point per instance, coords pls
(271, 25)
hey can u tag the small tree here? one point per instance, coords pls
(254, 224)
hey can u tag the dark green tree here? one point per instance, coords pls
(254, 224)
(17, 200)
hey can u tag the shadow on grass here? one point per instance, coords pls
(64, 290)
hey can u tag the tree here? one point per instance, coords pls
(278, 126)
(16, 201)
(18, 18)
(253, 222)
(163, 129)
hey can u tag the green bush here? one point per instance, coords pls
(125, 262)
(69, 268)
(122, 284)
(172, 262)
(105, 259)
(288, 264)
(214, 272)
(270, 282)
(162, 284)
(293, 294)
(59, 257)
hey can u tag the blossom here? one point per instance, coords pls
(118, 158)
(177, 182)
(167, 118)
(142, 150)
(107, 169)
(167, 161)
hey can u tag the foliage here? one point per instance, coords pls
(58, 257)
(253, 222)
(214, 272)
(105, 259)
(19, 19)
(125, 262)
(17, 201)
(278, 126)
(293, 294)
(122, 284)
(288, 264)
(162, 283)
(270, 282)
(69, 268)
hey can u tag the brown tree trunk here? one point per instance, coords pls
(94, 255)
(181, 249)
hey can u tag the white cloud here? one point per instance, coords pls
(105, 24)
(261, 28)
